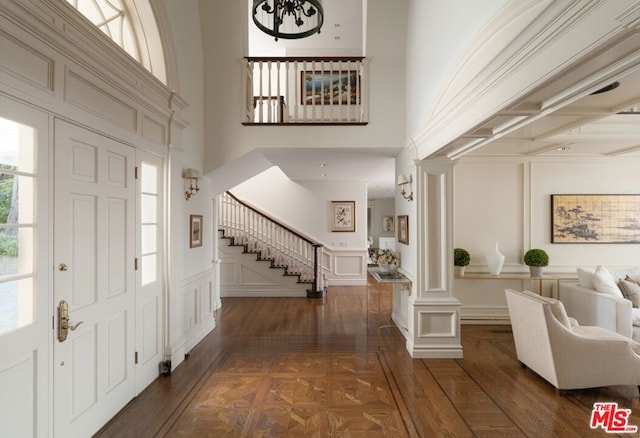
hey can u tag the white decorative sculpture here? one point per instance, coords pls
(495, 260)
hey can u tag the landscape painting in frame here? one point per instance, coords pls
(329, 88)
(595, 218)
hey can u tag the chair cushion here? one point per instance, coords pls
(594, 332)
(604, 282)
(630, 291)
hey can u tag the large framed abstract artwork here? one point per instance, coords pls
(595, 218)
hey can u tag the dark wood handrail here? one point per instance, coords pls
(266, 216)
(304, 58)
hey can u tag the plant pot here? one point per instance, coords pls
(536, 271)
(458, 271)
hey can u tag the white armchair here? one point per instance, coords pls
(567, 355)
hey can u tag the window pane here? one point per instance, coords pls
(148, 209)
(16, 251)
(149, 238)
(149, 271)
(16, 304)
(16, 146)
(149, 179)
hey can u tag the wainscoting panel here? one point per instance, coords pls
(198, 316)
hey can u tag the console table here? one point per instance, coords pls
(386, 278)
(518, 276)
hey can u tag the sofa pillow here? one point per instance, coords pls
(630, 291)
(604, 282)
(585, 278)
(633, 275)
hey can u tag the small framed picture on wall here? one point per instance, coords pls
(388, 225)
(195, 230)
(343, 216)
(403, 229)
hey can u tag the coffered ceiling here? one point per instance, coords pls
(595, 124)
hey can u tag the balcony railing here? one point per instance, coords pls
(303, 91)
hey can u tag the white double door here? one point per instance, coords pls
(91, 219)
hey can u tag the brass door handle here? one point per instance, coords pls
(63, 321)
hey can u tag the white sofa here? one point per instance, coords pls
(566, 354)
(599, 305)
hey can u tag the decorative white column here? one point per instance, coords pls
(434, 313)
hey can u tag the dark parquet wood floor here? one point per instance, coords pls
(295, 367)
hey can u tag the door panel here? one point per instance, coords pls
(94, 233)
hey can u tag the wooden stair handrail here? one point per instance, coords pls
(266, 216)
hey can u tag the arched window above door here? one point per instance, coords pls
(130, 24)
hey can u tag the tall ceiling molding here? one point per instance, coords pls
(546, 43)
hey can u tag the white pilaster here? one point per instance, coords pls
(434, 313)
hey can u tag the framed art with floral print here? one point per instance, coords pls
(595, 218)
(403, 229)
(343, 216)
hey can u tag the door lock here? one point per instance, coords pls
(63, 321)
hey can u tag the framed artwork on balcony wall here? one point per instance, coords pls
(330, 87)
(343, 216)
(595, 218)
(403, 229)
(195, 230)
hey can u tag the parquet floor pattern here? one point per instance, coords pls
(294, 394)
(293, 367)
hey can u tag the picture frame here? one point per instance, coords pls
(403, 229)
(388, 224)
(343, 216)
(593, 218)
(195, 230)
(334, 87)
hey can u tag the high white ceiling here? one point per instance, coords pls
(548, 122)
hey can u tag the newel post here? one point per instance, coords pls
(434, 313)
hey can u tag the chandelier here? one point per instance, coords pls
(289, 19)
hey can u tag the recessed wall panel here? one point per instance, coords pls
(17, 403)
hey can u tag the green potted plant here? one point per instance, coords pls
(461, 258)
(536, 259)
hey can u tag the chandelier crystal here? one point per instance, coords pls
(288, 19)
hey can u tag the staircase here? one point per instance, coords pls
(242, 225)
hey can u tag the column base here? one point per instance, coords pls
(435, 325)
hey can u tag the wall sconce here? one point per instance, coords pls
(402, 181)
(192, 176)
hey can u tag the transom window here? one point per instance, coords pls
(131, 25)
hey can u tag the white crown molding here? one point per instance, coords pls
(547, 39)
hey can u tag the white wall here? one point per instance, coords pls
(508, 201)
(380, 208)
(438, 34)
